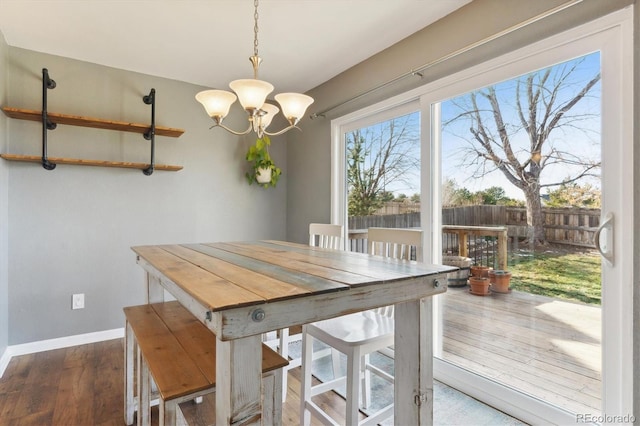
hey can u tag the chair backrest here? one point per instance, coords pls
(325, 235)
(395, 242)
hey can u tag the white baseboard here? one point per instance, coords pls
(4, 361)
(61, 342)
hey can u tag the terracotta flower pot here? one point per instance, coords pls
(480, 271)
(479, 286)
(500, 283)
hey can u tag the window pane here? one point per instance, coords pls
(383, 176)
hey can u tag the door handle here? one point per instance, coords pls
(606, 249)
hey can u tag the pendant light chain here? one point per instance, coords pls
(255, 28)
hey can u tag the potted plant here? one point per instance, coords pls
(501, 280)
(263, 171)
(480, 271)
(479, 285)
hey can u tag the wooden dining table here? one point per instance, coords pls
(241, 290)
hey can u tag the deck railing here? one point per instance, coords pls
(485, 245)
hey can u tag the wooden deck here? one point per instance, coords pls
(542, 346)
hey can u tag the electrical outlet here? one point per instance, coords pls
(77, 301)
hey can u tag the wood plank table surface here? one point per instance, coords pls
(240, 290)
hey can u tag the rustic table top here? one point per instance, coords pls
(229, 275)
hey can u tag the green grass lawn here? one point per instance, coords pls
(573, 275)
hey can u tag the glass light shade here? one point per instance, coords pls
(270, 110)
(293, 105)
(251, 93)
(216, 102)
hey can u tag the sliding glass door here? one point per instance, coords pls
(528, 158)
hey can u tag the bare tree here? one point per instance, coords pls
(524, 130)
(378, 156)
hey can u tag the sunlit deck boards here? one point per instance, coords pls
(543, 346)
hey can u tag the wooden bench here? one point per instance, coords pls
(177, 351)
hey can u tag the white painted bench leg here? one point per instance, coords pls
(272, 398)
(129, 349)
(144, 403)
(167, 412)
(180, 419)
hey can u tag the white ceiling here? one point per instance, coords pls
(302, 42)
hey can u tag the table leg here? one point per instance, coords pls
(155, 291)
(272, 398)
(414, 363)
(239, 381)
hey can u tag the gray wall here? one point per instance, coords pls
(71, 229)
(4, 209)
(309, 173)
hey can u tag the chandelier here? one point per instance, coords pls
(252, 94)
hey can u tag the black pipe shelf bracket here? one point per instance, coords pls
(150, 134)
(47, 83)
(50, 121)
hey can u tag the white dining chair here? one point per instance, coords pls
(321, 235)
(326, 235)
(357, 335)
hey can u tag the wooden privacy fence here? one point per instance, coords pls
(574, 226)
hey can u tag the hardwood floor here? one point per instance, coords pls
(83, 385)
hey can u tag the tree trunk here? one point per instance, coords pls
(535, 219)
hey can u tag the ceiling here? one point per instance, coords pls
(303, 43)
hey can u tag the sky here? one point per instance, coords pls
(580, 137)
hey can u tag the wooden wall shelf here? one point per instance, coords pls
(97, 123)
(83, 162)
(50, 120)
